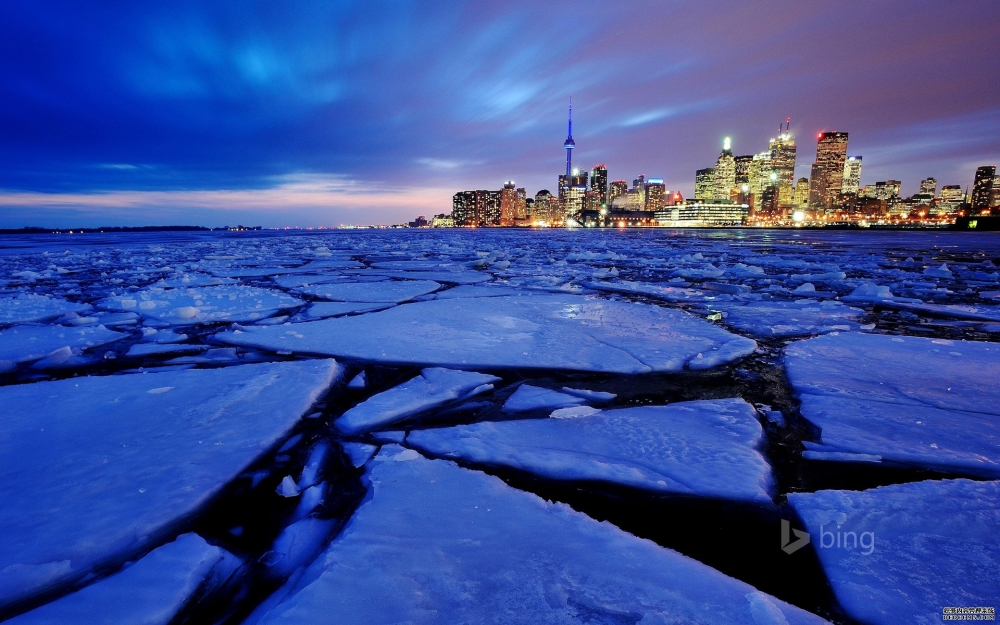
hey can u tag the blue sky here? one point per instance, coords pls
(321, 113)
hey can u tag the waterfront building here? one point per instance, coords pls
(982, 188)
(700, 214)
(852, 175)
(928, 186)
(599, 183)
(508, 204)
(725, 172)
(782, 150)
(827, 177)
(617, 189)
(656, 194)
(743, 169)
(800, 197)
(704, 180)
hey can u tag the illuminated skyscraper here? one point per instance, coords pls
(743, 169)
(827, 178)
(463, 208)
(725, 173)
(782, 151)
(656, 194)
(521, 208)
(488, 208)
(578, 179)
(508, 204)
(617, 189)
(759, 176)
(800, 197)
(852, 175)
(704, 182)
(599, 183)
(928, 186)
(982, 189)
(639, 190)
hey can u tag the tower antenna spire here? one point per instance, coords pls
(570, 144)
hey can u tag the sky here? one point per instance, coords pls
(317, 114)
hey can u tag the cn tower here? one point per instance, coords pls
(570, 144)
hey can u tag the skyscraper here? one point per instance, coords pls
(760, 174)
(782, 151)
(982, 188)
(725, 173)
(656, 194)
(599, 183)
(801, 196)
(639, 189)
(463, 208)
(569, 144)
(827, 178)
(743, 169)
(704, 181)
(508, 204)
(928, 186)
(852, 175)
(521, 208)
(617, 189)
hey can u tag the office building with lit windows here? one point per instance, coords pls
(827, 177)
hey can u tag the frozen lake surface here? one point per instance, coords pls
(520, 426)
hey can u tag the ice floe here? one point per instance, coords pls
(928, 402)
(439, 544)
(528, 397)
(903, 553)
(156, 590)
(26, 343)
(704, 448)
(538, 331)
(209, 304)
(322, 310)
(98, 468)
(28, 307)
(390, 291)
(783, 318)
(434, 387)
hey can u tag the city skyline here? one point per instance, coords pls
(319, 115)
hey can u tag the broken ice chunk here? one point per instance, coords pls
(704, 448)
(528, 397)
(473, 547)
(434, 387)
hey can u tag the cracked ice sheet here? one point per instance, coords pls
(929, 402)
(439, 544)
(389, 291)
(204, 304)
(27, 343)
(702, 448)
(781, 318)
(538, 331)
(934, 546)
(97, 468)
(152, 591)
(27, 307)
(434, 387)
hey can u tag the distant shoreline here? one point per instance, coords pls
(987, 224)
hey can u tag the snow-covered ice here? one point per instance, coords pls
(434, 387)
(210, 304)
(26, 343)
(28, 307)
(928, 402)
(389, 291)
(704, 448)
(502, 332)
(528, 397)
(152, 591)
(932, 544)
(795, 318)
(97, 468)
(439, 544)
(322, 310)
